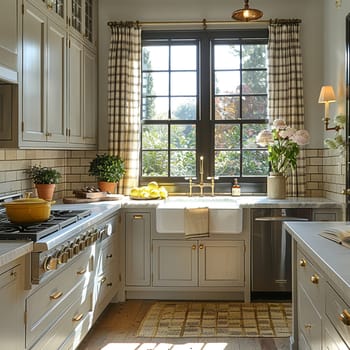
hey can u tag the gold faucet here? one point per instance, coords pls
(201, 183)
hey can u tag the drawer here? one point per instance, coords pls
(47, 303)
(107, 257)
(72, 319)
(336, 311)
(105, 286)
(78, 333)
(309, 321)
(310, 278)
(331, 338)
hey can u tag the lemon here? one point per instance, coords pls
(153, 185)
(163, 193)
(135, 192)
(154, 193)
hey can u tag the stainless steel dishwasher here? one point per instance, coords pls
(271, 251)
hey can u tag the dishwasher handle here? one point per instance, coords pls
(280, 218)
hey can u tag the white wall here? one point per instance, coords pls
(311, 12)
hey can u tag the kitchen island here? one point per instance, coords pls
(321, 287)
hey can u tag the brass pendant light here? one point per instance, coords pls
(247, 14)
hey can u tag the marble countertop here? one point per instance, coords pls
(332, 258)
(12, 250)
(243, 201)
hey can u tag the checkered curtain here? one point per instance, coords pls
(285, 85)
(124, 84)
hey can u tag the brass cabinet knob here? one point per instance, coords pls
(315, 278)
(307, 326)
(345, 317)
(302, 262)
(194, 247)
(201, 246)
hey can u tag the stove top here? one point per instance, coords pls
(57, 221)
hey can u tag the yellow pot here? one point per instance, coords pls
(28, 210)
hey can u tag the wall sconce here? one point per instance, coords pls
(327, 96)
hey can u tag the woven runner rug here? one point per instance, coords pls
(217, 319)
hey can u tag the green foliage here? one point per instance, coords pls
(107, 168)
(43, 175)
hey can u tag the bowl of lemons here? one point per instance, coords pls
(151, 191)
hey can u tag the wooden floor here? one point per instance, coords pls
(117, 326)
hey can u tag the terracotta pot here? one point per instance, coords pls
(276, 186)
(45, 191)
(107, 186)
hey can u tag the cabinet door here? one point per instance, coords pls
(56, 82)
(90, 97)
(175, 263)
(138, 244)
(9, 39)
(33, 74)
(221, 263)
(11, 322)
(75, 109)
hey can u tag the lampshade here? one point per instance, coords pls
(326, 94)
(246, 14)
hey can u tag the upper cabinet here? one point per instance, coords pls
(82, 20)
(57, 95)
(9, 36)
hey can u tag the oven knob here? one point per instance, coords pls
(81, 244)
(69, 252)
(88, 240)
(76, 249)
(50, 263)
(62, 256)
(94, 236)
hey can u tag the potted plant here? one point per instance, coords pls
(45, 180)
(108, 169)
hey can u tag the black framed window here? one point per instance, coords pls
(204, 93)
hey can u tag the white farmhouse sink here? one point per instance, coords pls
(225, 215)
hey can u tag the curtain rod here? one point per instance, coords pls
(203, 22)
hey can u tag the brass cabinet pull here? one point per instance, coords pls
(201, 246)
(315, 278)
(103, 279)
(56, 295)
(308, 326)
(138, 216)
(345, 317)
(109, 284)
(194, 247)
(302, 262)
(81, 272)
(77, 318)
(109, 256)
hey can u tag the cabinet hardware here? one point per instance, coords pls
(81, 272)
(56, 295)
(109, 256)
(109, 284)
(315, 278)
(345, 317)
(103, 279)
(201, 246)
(346, 191)
(13, 274)
(308, 326)
(137, 216)
(77, 318)
(302, 262)
(194, 247)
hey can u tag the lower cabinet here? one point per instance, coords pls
(11, 320)
(323, 320)
(138, 248)
(198, 263)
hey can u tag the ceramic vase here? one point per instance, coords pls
(276, 186)
(45, 191)
(108, 187)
